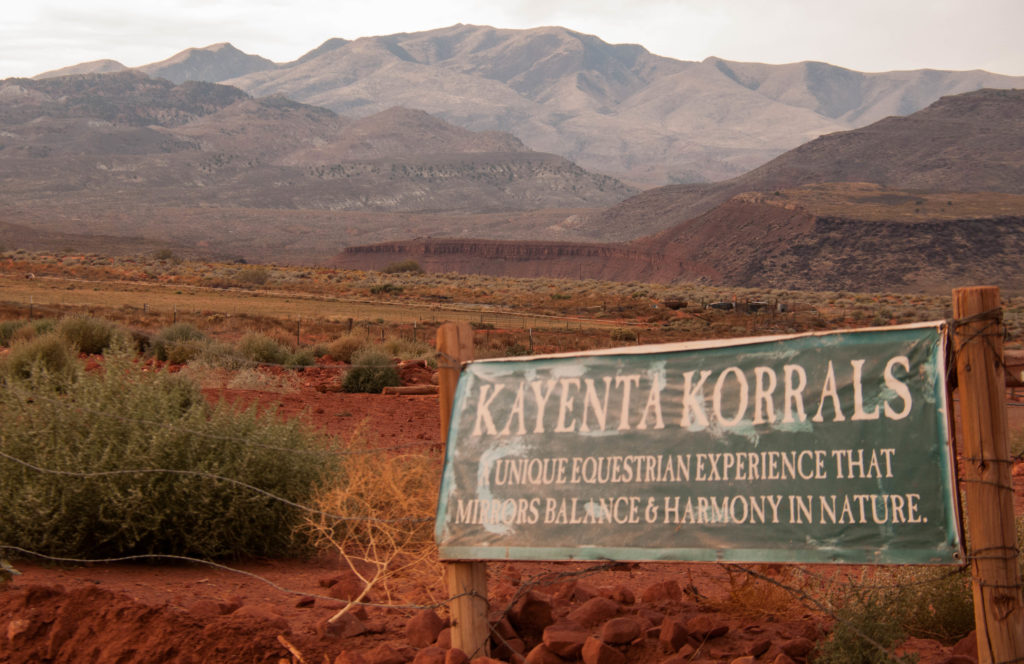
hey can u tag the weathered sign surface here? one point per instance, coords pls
(807, 448)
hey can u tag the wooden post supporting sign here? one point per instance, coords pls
(466, 581)
(988, 488)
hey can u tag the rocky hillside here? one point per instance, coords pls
(613, 108)
(99, 146)
(805, 238)
(962, 143)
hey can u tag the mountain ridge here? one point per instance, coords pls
(614, 108)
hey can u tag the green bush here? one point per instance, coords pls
(372, 370)
(624, 334)
(173, 335)
(302, 357)
(89, 335)
(8, 328)
(385, 289)
(342, 348)
(406, 349)
(901, 602)
(263, 349)
(48, 354)
(126, 420)
(253, 276)
(403, 266)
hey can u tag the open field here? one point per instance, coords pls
(277, 609)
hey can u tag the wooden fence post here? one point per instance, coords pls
(988, 488)
(466, 581)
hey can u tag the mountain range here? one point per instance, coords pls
(615, 109)
(140, 157)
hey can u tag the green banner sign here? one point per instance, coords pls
(807, 448)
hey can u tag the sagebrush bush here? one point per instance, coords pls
(403, 266)
(263, 349)
(406, 349)
(122, 420)
(342, 348)
(372, 370)
(49, 354)
(178, 333)
(88, 334)
(8, 328)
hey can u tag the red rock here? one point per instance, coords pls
(596, 651)
(673, 635)
(704, 627)
(745, 659)
(501, 626)
(346, 657)
(797, 648)
(532, 613)
(619, 631)
(423, 628)
(305, 602)
(444, 638)
(485, 660)
(676, 659)
(541, 655)
(621, 594)
(509, 649)
(565, 640)
(584, 592)
(344, 627)
(783, 658)
(347, 588)
(384, 654)
(456, 656)
(663, 591)
(594, 611)
(650, 615)
(429, 655)
(759, 647)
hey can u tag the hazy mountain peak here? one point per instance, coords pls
(214, 63)
(94, 67)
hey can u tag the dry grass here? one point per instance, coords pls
(389, 499)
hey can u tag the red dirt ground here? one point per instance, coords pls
(276, 610)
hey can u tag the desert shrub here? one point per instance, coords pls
(263, 349)
(123, 420)
(173, 335)
(342, 348)
(8, 328)
(896, 603)
(302, 357)
(372, 370)
(48, 354)
(406, 349)
(623, 334)
(252, 276)
(385, 289)
(403, 266)
(392, 501)
(213, 354)
(88, 334)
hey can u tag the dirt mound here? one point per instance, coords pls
(97, 625)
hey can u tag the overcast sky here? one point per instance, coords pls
(866, 35)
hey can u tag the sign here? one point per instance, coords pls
(825, 447)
